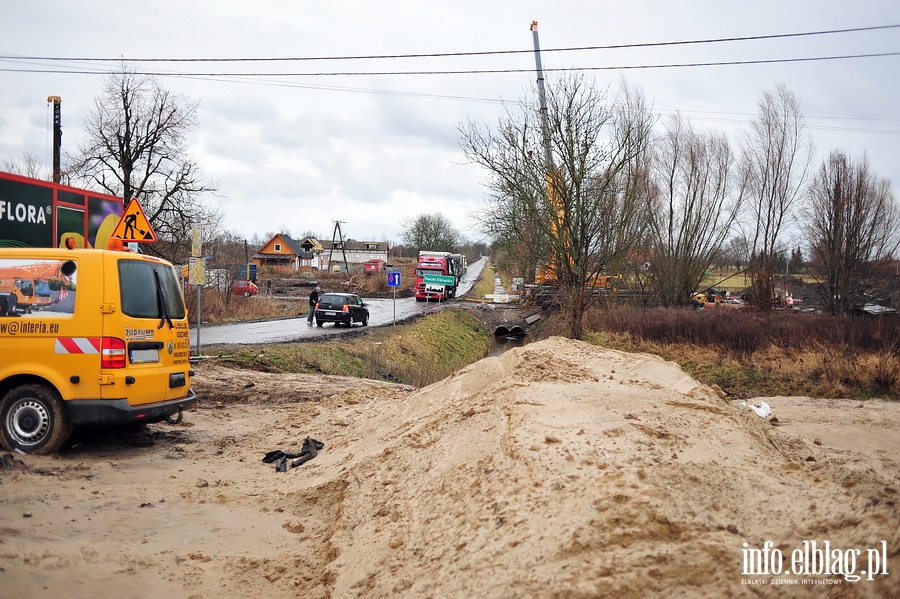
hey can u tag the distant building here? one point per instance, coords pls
(284, 253)
(287, 254)
(357, 253)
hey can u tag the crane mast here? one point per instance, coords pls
(542, 97)
(57, 136)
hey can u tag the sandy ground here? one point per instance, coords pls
(557, 469)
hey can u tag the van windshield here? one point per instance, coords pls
(144, 284)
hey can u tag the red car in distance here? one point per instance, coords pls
(245, 288)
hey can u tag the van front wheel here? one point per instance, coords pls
(34, 420)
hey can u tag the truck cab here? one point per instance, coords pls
(439, 264)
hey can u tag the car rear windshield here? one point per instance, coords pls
(144, 285)
(330, 298)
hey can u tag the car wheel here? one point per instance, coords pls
(365, 320)
(246, 294)
(34, 420)
(318, 322)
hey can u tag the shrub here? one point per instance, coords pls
(757, 353)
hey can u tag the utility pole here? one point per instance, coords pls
(337, 234)
(57, 135)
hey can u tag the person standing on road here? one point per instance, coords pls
(313, 300)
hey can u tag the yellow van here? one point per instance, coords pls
(88, 337)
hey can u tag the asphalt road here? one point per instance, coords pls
(382, 312)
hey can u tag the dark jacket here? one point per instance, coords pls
(313, 298)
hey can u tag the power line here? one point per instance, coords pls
(741, 118)
(463, 54)
(255, 77)
(471, 72)
(225, 78)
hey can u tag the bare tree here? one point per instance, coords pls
(852, 222)
(692, 212)
(775, 162)
(576, 202)
(736, 252)
(27, 166)
(431, 232)
(136, 147)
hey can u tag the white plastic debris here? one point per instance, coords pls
(763, 411)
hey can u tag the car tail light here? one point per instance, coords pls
(112, 353)
(345, 309)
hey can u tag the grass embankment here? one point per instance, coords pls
(485, 283)
(417, 354)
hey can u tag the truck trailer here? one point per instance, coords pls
(35, 213)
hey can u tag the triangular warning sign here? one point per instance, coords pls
(134, 226)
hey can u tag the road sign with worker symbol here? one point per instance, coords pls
(134, 225)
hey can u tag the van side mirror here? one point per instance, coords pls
(68, 268)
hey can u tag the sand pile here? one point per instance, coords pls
(558, 469)
(562, 468)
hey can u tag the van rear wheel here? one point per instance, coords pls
(34, 420)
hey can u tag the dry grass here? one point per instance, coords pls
(746, 353)
(218, 307)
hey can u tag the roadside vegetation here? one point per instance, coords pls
(417, 354)
(485, 284)
(752, 353)
(217, 308)
(745, 353)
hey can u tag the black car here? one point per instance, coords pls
(341, 308)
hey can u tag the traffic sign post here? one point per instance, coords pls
(197, 271)
(441, 280)
(394, 281)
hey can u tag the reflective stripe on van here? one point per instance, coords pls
(77, 345)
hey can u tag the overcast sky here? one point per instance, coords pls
(296, 153)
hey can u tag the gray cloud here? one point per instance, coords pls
(301, 152)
